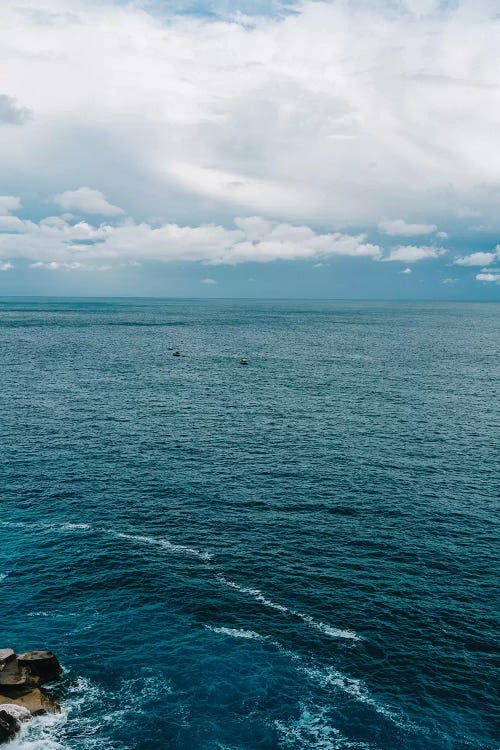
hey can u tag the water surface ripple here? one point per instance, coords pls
(299, 554)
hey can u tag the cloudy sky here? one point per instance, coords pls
(337, 148)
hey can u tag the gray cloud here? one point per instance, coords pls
(11, 113)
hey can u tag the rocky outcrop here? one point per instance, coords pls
(43, 664)
(20, 693)
(9, 726)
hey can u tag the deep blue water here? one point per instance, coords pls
(301, 553)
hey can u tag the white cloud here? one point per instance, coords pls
(87, 201)
(490, 277)
(9, 203)
(5, 266)
(399, 227)
(11, 224)
(413, 253)
(56, 265)
(406, 270)
(340, 112)
(449, 281)
(54, 242)
(478, 259)
(208, 281)
(287, 198)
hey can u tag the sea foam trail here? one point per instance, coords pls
(165, 544)
(207, 557)
(331, 677)
(237, 633)
(313, 729)
(307, 619)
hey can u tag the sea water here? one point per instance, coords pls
(298, 554)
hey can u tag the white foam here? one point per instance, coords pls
(311, 730)
(40, 733)
(237, 633)
(356, 689)
(316, 624)
(39, 614)
(18, 712)
(54, 613)
(255, 593)
(328, 629)
(3, 576)
(74, 527)
(165, 544)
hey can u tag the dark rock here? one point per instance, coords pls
(18, 712)
(43, 664)
(14, 677)
(9, 726)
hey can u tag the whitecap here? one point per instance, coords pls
(357, 690)
(328, 629)
(74, 527)
(255, 593)
(40, 733)
(166, 544)
(316, 624)
(237, 633)
(54, 613)
(3, 576)
(313, 729)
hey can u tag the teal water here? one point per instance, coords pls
(301, 553)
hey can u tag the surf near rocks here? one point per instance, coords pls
(21, 694)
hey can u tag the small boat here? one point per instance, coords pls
(176, 354)
(243, 361)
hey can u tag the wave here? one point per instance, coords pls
(3, 576)
(237, 633)
(255, 593)
(74, 527)
(310, 621)
(40, 733)
(331, 677)
(54, 613)
(165, 544)
(207, 557)
(328, 629)
(313, 729)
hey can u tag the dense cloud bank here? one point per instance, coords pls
(329, 120)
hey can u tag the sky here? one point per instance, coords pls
(242, 148)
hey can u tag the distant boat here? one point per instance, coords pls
(243, 361)
(176, 354)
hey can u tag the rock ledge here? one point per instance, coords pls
(21, 696)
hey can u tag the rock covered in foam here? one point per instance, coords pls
(18, 712)
(9, 726)
(20, 696)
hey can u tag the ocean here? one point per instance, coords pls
(297, 554)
